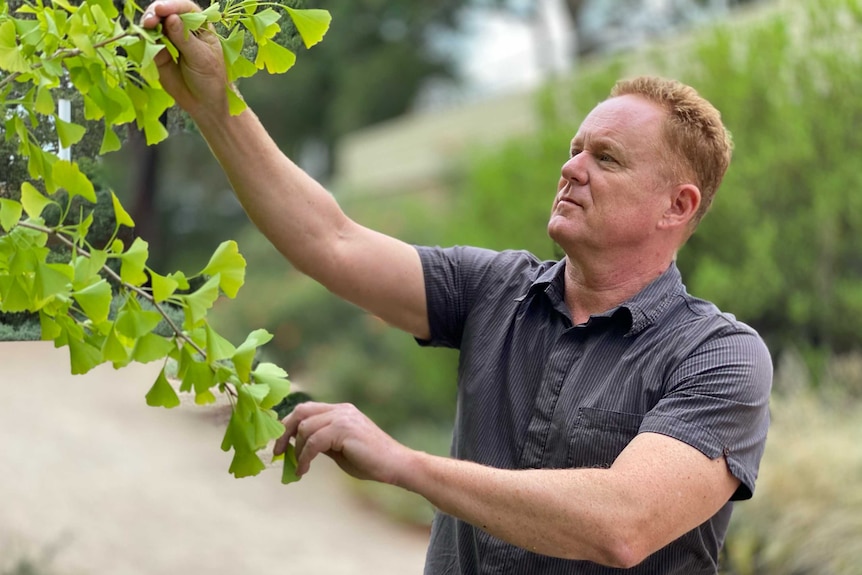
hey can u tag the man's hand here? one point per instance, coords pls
(197, 80)
(346, 435)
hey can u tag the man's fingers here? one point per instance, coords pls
(291, 422)
(161, 9)
(315, 435)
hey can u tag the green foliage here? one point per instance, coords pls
(781, 245)
(99, 297)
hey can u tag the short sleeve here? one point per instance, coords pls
(454, 279)
(717, 401)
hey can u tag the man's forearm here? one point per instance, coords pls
(657, 489)
(574, 514)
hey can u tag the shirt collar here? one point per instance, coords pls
(641, 310)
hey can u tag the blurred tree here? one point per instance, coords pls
(374, 62)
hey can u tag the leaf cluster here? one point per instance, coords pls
(108, 61)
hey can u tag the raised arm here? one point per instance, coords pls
(376, 272)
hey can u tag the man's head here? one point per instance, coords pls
(698, 142)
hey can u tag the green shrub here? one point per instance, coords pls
(25, 331)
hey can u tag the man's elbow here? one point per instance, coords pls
(625, 554)
(623, 547)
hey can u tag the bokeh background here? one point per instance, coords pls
(447, 123)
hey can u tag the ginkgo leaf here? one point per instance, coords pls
(44, 103)
(95, 300)
(180, 278)
(10, 213)
(245, 464)
(151, 347)
(276, 58)
(33, 201)
(69, 133)
(11, 58)
(237, 435)
(243, 358)
(198, 377)
(83, 356)
(51, 280)
(82, 228)
(232, 45)
(79, 34)
(200, 301)
(236, 105)
(288, 470)
(256, 391)
(87, 268)
(133, 262)
(311, 24)
(229, 264)
(218, 347)
(135, 323)
(65, 5)
(154, 131)
(50, 329)
(192, 21)
(212, 12)
(163, 286)
(120, 214)
(115, 350)
(15, 293)
(110, 141)
(70, 176)
(274, 377)
(205, 397)
(266, 428)
(162, 393)
(266, 372)
(263, 25)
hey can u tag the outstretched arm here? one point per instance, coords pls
(376, 272)
(657, 489)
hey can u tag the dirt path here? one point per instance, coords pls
(120, 488)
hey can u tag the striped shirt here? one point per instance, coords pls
(536, 391)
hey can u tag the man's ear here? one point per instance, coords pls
(684, 204)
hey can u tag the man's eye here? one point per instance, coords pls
(574, 152)
(605, 158)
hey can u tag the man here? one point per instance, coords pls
(606, 418)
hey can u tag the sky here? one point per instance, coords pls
(500, 52)
(506, 52)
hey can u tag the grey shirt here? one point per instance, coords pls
(536, 391)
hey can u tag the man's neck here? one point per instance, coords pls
(593, 288)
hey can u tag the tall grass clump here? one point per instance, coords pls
(806, 515)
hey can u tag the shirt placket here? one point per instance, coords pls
(564, 355)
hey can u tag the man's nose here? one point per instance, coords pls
(574, 170)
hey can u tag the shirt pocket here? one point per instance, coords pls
(599, 436)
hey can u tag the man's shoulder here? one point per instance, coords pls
(694, 322)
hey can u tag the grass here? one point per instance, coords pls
(806, 514)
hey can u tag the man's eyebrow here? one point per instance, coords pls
(597, 144)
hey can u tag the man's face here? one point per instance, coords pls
(612, 190)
